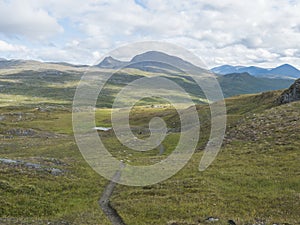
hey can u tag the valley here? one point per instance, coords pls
(254, 179)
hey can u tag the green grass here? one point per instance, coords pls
(255, 176)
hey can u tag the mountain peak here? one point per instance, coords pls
(160, 59)
(285, 65)
(153, 56)
(287, 70)
(111, 63)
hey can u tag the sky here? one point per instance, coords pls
(258, 32)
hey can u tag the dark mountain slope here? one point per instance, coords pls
(244, 83)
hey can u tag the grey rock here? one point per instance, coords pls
(55, 172)
(212, 219)
(290, 95)
(21, 132)
(35, 166)
(8, 161)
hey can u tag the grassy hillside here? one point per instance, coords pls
(243, 83)
(32, 86)
(254, 178)
(33, 83)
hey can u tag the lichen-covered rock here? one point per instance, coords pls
(35, 166)
(290, 95)
(21, 132)
(56, 172)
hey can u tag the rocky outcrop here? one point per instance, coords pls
(34, 166)
(290, 95)
(21, 132)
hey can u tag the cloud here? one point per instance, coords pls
(6, 47)
(22, 19)
(262, 32)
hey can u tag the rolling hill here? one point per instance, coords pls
(50, 82)
(244, 83)
(45, 180)
(254, 179)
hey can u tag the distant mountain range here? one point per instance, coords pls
(237, 79)
(14, 63)
(153, 61)
(285, 71)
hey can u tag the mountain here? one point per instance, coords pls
(254, 70)
(244, 83)
(111, 63)
(67, 64)
(35, 77)
(285, 71)
(232, 84)
(154, 61)
(11, 63)
(30, 64)
(151, 61)
(227, 69)
(155, 56)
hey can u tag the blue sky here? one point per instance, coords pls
(258, 32)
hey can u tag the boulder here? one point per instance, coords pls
(55, 172)
(290, 95)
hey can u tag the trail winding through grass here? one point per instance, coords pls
(105, 205)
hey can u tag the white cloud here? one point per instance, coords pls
(21, 18)
(6, 47)
(265, 32)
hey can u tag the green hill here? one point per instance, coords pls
(45, 180)
(52, 83)
(244, 83)
(254, 178)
